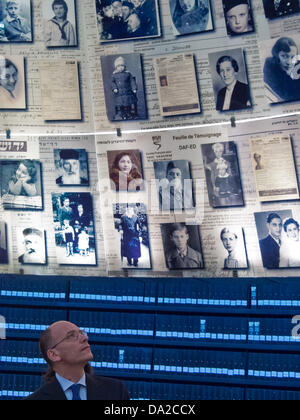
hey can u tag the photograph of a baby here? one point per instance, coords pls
(21, 185)
(124, 87)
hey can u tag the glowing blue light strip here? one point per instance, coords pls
(112, 298)
(31, 327)
(199, 370)
(110, 331)
(15, 293)
(196, 336)
(125, 366)
(212, 302)
(274, 374)
(18, 394)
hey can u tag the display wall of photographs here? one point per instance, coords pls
(131, 224)
(222, 174)
(21, 184)
(75, 239)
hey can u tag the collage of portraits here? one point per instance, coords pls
(163, 201)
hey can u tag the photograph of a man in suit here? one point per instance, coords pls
(270, 245)
(69, 377)
(235, 95)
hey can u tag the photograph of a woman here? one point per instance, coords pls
(281, 77)
(191, 16)
(131, 222)
(232, 239)
(125, 170)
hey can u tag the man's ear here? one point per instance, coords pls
(53, 355)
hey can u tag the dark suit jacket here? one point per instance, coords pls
(270, 252)
(240, 97)
(98, 388)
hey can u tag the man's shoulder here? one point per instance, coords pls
(105, 388)
(267, 241)
(192, 253)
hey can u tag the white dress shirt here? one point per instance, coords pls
(66, 384)
(228, 95)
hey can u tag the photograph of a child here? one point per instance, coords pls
(118, 20)
(60, 23)
(74, 229)
(182, 246)
(222, 174)
(32, 245)
(15, 21)
(124, 87)
(174, 184)
(191, 16)
(3, 244)
(131, 223)
(125, 170)
(12, 83)
(238, 17)
(71, 167)
(21, 184)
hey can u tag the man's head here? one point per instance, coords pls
(8, 74)
(117, 8)
(274, 224)
(174, 174)
(179, 236)
(65, 347)
(127, 8)
(133, 23)
(12, 8)
(60, 9)
(218, 149)
(34, 245)
(66, 202)
(227, 68)
(237, 15)
(70, 161)
(229, 239)
(257, 158)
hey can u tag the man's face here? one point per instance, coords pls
(34, 247)
(8, 78)
(59, 11)
(66, 202)
(117, 7)
(218, 150)
(74, 349)
(292, 232)
(229, 241)
(13, 10)
(174, 174)
(71, 166)
(180, 239)
(237, 18)
(133, 23)
(275, 227)
(187, 5)
(227, 73)
(126, 12)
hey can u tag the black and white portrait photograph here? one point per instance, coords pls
(230, 248)
(281, 65)
(238, 17)
(280, 8)
(12, 83)
(124, 89)
(174, 184)
(21, 184)
(73, 218)
(272, 237)
(191, 16)
(15, 21)
(126, 170)
(119, 20)
(71, 166)
(3, 243)
(60, 28)
(131, 224)
(182, 246)
(230, 80)
(32, 245)
(222, 174)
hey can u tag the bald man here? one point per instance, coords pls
(69, 377)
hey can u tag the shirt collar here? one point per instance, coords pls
(10, 19)
(231, 87)
(66, 384)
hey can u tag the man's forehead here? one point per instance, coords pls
(62, 327)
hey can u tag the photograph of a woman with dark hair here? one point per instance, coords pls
(126, 170)
(191, 16)
(282, 81)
